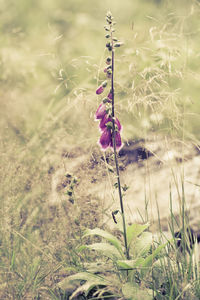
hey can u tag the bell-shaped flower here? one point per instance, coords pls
(104, 121)
(118, 141)
(105, 139)
(101, 112)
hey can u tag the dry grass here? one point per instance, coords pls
(50, 67)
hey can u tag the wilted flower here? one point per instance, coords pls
(109, 74)
(100, 90)
(101, 112)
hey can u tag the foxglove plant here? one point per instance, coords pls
(110, 127)
(130, 261)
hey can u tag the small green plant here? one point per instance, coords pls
(112, 273)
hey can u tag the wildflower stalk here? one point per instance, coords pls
(110, 126)
(115, 151)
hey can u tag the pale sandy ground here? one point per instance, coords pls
(150, 182)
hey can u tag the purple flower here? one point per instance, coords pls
(100, 90)
(105, 139)
(105, 120)
(110, 96)
(118, 141)
(101, 112)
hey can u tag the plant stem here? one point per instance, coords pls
(115, 155)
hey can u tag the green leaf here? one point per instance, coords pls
(106, 249)
(133, 292)
(82, 276)
(143, 244)
(134, 230)
(106, 235)
(98, 266)
(154, 256)
(149, 261)
(130, 264)
(81, 248)
(85, 288)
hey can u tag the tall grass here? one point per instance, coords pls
(49, 68)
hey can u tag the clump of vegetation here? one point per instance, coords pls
(51, 221)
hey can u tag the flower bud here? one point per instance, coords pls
(109, 14)
(108, 45)
(109, 21)
(115, 39)
(108, 71)
(109, 125)
(109, 74)
(107, 36)
(69, 193)
(108, 110)
(108, 60)
(104, 84)
(106, 28)
(100, 90)
(106, 100)
(118, 45)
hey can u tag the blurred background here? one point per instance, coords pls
(52, 57)
(51, 60)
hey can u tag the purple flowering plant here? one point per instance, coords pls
(110, 126)
(131, 257)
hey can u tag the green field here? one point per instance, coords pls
(51, 60)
